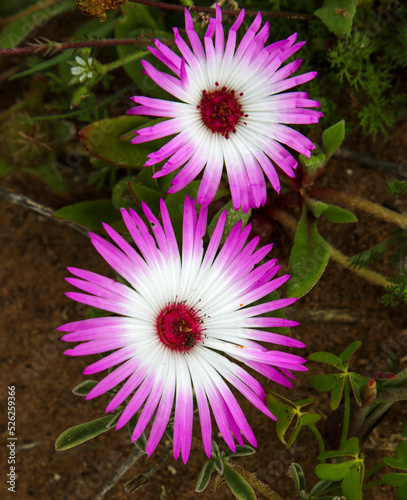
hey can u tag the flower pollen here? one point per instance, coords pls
(220, 110)
(179, 327)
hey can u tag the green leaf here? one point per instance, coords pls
(140, 193)
(349, 351)
(339, 215)
(121, 197)
(109, 140)
(338, 17)
(295, 471)
(204, 476)
(12, 34)
(283, 413)
(84, 388)
(308, 259)
(401, 451)
(395, 462)
(81, 433)
(326, 357)
(402, 491)
(358, 384)
(332, 472)
(90, 214)
(219, 466)
(351, 446)
(336, 394)
(310, 418)
(241, 451)
(333, 137)
(5, 168)
(351, 484)
(239, 487)
(319, 488)
(395, 479)
(323, 383)
(141, 442)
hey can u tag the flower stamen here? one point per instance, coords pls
(221, 110)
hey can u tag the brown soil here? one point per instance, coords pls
(35, 252)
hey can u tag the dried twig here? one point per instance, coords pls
(135, 455)
(47, 212)
(144, 478)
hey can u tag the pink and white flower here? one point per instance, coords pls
(180, 324)
(232, 110)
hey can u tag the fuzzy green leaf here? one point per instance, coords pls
(90, 214)
(81, 433)
(219, 466)
(239, 487)
(333, 137)
(338, 17)
(358, 384)
(84, 388)
(297, 474)
(319, 488)
(204, 476)
(141, 442)
(333, 472)
(241, 451)
(308, 259)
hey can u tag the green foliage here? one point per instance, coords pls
(285, 411)
(337, 16)
(308, 258)
(81, 433)
(399, 462)
(90, 214)
(219, 463)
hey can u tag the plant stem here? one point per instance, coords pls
(250, 477)
(346, 414)
(144, 478)
(124, 60)
(59, 47)
(135, 455)
(47, 212)
(317, 434)
(226, 12)
(336, 255)
(357, 203)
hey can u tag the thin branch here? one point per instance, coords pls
(320, 315)
(226, 12)
(135, 455)
(144, 478)
(47, 212)
(58, 47)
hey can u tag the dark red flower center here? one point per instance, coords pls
(179, 327)
(221, 111)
